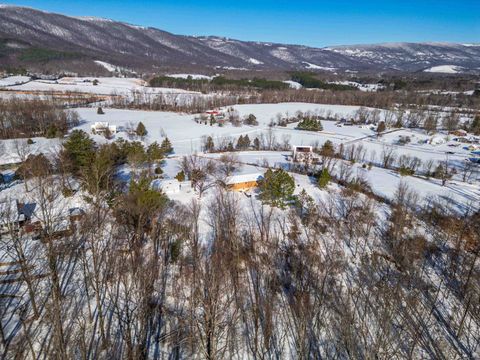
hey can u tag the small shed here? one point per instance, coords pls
(243, 182)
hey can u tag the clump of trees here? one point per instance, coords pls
(35, 117)
(310, 124)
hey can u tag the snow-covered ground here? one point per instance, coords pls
(11, 150)
(317, 67)
(105, 86)
(14, 80)
(111, 67)
(361, 87)
(445, 69)
(193, 76)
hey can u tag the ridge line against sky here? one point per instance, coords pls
(310, 23)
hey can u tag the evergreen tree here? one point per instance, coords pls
(256, 144)
(79, 149)
(141, 130)
(154, 152)
(240, 143)
(136, 153)
(246, 142)
(324, 178)
(167, 146)
(100, 111)
(277, 187)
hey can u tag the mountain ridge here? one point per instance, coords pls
(151, 49)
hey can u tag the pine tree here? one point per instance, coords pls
(240, 143)
(155, 152)
(246, 142)
(277, 187)
(141, 130)
(324, 178)
(79, 149)
(167, 146)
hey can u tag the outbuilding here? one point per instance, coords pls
(243, 182)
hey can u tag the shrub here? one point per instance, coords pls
(141, 130)
(66, 192)
(30, 142)
(405, 171)
(251, 120)
(180, 176)
(100, 111)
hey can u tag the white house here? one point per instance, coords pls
(101, 128)
(167, 186)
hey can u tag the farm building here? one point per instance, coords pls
(243, 182)
(170, 186)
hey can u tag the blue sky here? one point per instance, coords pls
(315, 23)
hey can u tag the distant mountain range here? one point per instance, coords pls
(45, 41)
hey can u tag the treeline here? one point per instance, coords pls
(34, 117)
(195, 103)
(217, 83)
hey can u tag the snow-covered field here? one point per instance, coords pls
(105, 86)
(14, 80)
(445, 69)
(192, 76)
